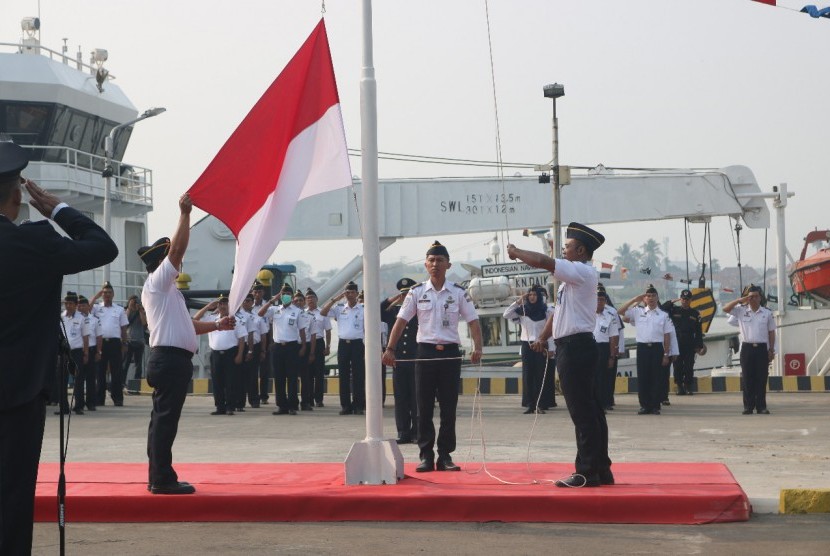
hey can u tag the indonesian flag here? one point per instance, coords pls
(605, 271)
(290, 146)
(623, 273)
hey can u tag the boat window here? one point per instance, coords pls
(514, 333)
(25, 122)
(491, 330)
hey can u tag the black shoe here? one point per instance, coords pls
(58, 412)
(90, 408)
(118, 404)
(643, 411)
(240, 410)
(554, 405)
(306, 407)
(319, 404)
(80, 411)
(264, 402)
(666, 402)
(345, 412)
(689, 392)
(219, 412)
(446, 464)
(280, 412)
(230, 412)
(528, 411)
(655, 412)
(404, 439)
(763, 412)
(359, 412)
(292, 411)
(174, 488)
(609, 408)
(255, 405)
(425, 466)
(681, 392)
(746, 412)
(578, 481)
(606, 477)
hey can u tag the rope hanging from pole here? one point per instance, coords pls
(701, 281)
(738, 229)
(686, 238)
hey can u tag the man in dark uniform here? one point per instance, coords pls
(689, 340)
(35, 259)
(403, 375)
(573, 325)
(439, 305)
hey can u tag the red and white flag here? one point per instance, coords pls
(727, 290)
(623, 273)
(290, 146)
(605, 271)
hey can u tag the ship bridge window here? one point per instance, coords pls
(24, 122)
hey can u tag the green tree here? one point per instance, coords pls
(627, 258)
(652, 254)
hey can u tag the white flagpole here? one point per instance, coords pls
(374, 460)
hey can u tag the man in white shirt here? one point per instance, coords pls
(172, 345)
(654, 329)
(92, 328)
(573, 325)
(263, 364)
(288, 346)
(607, 335)
(757, 327)
(73, 326)
(439, 305)
(250, 365)
(351, 360)
(320, 340)
(114, 332)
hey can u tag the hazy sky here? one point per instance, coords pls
(649, 83)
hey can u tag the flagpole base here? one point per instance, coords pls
(374, 462)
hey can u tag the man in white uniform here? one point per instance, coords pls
(114, 323)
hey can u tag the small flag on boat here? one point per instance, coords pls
(605, 271)
(290, 146)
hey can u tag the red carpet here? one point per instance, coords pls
(683, 493)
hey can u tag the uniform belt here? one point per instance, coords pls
(580, 337)
(438, 347)
(223, 351)
(112, 339)
(172, 350)
(285, 343)
(756, 344)
(350, 341)
(650, 344)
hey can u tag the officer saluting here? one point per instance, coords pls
(35, 259)
(689, 340)
(574, 319)
(439, 305)
(403, 375)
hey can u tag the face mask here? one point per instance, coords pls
(285, 298)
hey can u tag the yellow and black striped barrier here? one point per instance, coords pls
(499, 386)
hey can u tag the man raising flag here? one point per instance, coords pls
(292, 146)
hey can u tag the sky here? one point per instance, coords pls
(649, 83)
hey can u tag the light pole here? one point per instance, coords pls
(109, 149)
(554, 91)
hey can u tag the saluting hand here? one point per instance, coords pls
(41, 199)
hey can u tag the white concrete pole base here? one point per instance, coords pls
(374, 462)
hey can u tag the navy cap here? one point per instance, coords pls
(309, 292)
(437, 249)
(600, 289)
(153, 254)
(686, 294)
(286, 288)
(13, 158)
(591, 239)
(71, 296)
(351, 287)
(222, 298)
(651, 289)
(404, 284)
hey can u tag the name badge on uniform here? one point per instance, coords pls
(290, 322)
(446, 322)
(603, 329)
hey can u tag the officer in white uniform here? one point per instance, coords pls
(289, 346)
(76, 334)
(607, 335)
(573, 324)
(172, 345)
(439, 305)
(319, 340)
(114, 332)
(92, 328)
(351, 358)
(653, 327)
(253, 349)
(263, 365)
(756, 324)
(304, 368)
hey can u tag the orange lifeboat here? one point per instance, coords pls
(811, 275)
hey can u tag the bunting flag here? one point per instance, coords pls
(727, 290)
(290, 146)
(623, 273)
(813, 10)
(605, 271)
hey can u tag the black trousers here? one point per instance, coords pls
(684, 364)
(549, 384)
(755, 371)
(649, 374)
(576, 359)
(602, 376)
(351, 365)
(90, 376)
(135, 354)
(306, 384)
(284, 361)
(21, 437)
(111, 360)
(265, 373)
(406, 403)
(169, 372)
(238, 381)
(533, 370)
(318, 370)
(251, 374)
(83, 380)
(59, 394)
(223, 373)
(437, 379)
(611, 384)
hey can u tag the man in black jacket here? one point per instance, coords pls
(35, 259)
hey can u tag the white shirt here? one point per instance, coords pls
(651, 324)
(608, 325)
(220, 340)
(349, 321)
(112, 319)
(438, 311)
(286, 322)
(319, 324)
(754, 326)
(576, 300)
(167, 316)
(531, 329)
(305, 323)
(253, 324)
(75, 329)
(92, 328)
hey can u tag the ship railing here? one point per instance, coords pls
(124, 282)
(62, 57)
(82, 171)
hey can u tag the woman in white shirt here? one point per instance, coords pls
(531, 312)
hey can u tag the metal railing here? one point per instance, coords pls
(62, 57)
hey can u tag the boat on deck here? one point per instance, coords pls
(810, 276)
